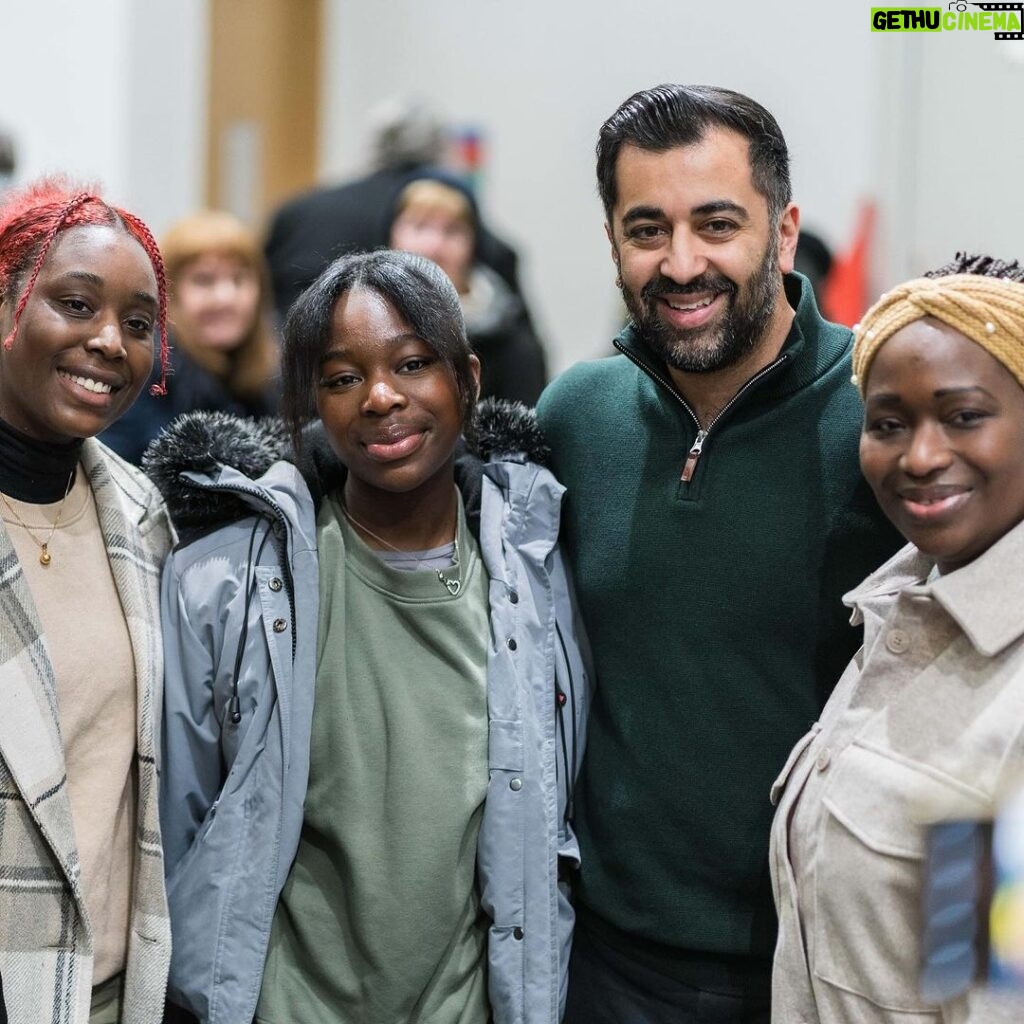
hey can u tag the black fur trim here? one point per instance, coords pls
(318, 464)
(503, 428)
(201, 442)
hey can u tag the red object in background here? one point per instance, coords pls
(846, 288)
(467, 156)
(470, 149)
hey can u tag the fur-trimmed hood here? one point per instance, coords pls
(202, 442)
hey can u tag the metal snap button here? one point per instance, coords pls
(275, 584)
(280, 625)
(513, 596)
(511, 643)
(515, 785)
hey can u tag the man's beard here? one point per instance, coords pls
(721, 343)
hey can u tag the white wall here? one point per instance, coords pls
(950, 151)
(62, 87)
(541, 75)
(109, 91)
(166, 81)
(114, 90)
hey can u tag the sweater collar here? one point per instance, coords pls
(984, 597)
(812, 346)
(38, 472)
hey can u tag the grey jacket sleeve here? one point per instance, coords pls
(192, 762)
(574, 686)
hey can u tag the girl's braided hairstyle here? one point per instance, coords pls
(32, 217)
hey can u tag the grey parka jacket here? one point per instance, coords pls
(239, 600)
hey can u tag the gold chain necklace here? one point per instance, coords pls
(45, 558)
(451, 583)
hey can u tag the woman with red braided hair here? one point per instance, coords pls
(924, 734)
(84, 935)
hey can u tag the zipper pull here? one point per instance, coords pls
(690, 465)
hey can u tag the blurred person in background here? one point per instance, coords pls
(224, 353)
(8, 161)
(927, 722)
(813, 260)
(84, 932)
(436, 217)
(308, 232)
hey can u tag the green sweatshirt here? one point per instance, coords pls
(713, 608)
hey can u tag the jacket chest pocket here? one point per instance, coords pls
(869, 876)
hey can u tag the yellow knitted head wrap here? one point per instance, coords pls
(988, 310)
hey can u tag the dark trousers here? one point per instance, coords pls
(176, 1015)
(606, 987)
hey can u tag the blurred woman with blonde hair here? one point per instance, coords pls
(224, 351)
(435, 215)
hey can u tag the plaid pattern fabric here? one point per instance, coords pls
(45, 941)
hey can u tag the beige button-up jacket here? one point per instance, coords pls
(926, 723)
(45, 938)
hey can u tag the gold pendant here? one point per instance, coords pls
(44, 556)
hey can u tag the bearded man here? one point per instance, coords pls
(715, 514)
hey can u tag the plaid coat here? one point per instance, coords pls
(46, 957)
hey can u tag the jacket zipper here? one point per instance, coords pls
(697, 448)
(690, 465)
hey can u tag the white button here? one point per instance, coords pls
(823, 761)
(897, 641)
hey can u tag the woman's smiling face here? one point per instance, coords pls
(85, 342)
(217, 300)
(943, 442)
(389, 404)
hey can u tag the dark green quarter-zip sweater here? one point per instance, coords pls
(713, 608)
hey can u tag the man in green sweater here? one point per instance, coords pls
(715, 515)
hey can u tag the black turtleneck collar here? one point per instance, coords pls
(35, 471)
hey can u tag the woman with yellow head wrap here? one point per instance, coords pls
(987, 309)
(927, 722)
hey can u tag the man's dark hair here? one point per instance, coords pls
(667, 116)
(418, 289)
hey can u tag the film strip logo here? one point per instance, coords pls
(1019, 8)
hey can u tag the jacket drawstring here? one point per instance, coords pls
(568, 757)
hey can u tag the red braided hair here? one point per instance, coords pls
(32, 217)
(138, 229)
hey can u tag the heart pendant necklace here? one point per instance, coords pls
(451, 583)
